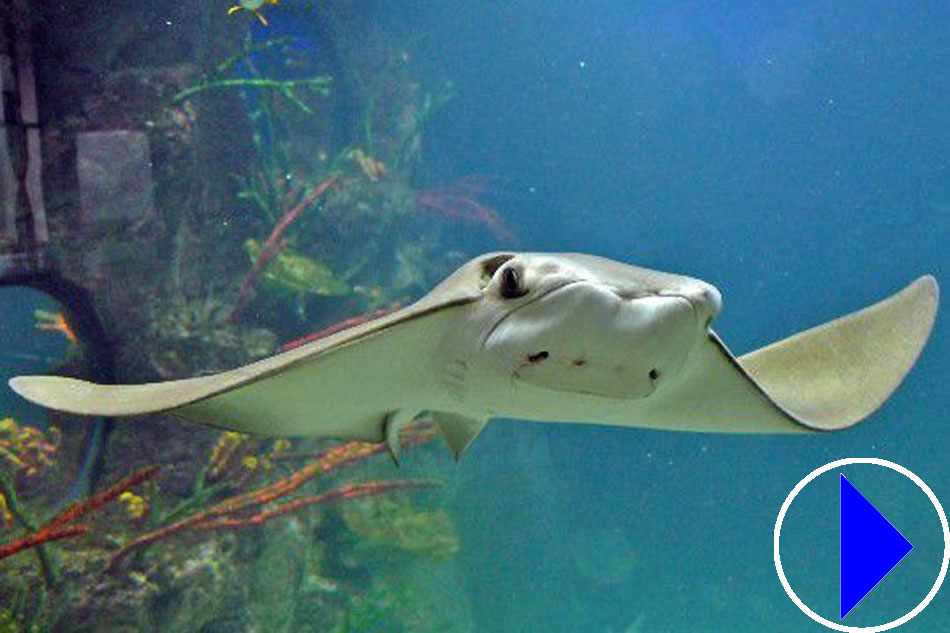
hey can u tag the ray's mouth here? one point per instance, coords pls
(515, 379)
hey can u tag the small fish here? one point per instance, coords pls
(55, 322)
(253, 6)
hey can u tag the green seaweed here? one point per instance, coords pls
(286, 87)
(217, 78)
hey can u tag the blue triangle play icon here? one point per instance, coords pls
(870, 547)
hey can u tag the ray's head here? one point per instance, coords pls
(586, 325)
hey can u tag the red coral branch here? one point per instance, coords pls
(275, 243)
(221, 515)
(338, 327)
(43, 536)
(55, 529)
(344, 493)
(95, 502)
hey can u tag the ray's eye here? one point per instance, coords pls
(511, 287)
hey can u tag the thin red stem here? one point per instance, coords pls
(45, 535)
(274, 243)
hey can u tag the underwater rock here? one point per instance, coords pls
(114, 171)
(8, 189)
(393, 521)
(418, 598)
(189, 335)
(115, 191)
(290, 592)
(8, 186)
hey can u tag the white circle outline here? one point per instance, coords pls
(943, 523)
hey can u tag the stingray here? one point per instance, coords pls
(549, 338)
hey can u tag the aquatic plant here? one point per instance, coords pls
(286, 87)
(291, 271)
(57, 526)
(236, 459)
(47, 534)
(335, 220)
(217, 78)
(395, 108)
(368, 221)
(276, 241)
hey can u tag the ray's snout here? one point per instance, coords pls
(585, 338)
(704, 298)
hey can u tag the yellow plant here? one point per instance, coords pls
(27, 449)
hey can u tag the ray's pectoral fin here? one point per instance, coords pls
(833, 376)
(459, 430)
(827, 378)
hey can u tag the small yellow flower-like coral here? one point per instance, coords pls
(238, 458)
(252, 6)
(134, 505)
(228, 457)
(27, 449)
